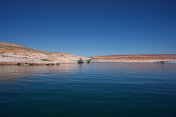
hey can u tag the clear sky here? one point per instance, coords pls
(91, 27)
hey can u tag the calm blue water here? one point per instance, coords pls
(89, 90)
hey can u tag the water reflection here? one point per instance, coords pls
(64, 67)
(138, 67)
(7, 72)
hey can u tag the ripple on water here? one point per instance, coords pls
(100, 89)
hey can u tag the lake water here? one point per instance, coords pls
(89, 90)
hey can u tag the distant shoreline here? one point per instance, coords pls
(154, 58)
(14, 54)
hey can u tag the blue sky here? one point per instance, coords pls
(91, 27)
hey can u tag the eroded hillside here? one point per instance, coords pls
(12, 53)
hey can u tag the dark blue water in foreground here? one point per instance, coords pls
(89, 90)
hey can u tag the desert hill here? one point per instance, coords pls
(13, 53)
(135, 58)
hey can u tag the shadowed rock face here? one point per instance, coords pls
(14, 54)
(135, 58)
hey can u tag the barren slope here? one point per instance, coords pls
(13, 53)
(135, 58)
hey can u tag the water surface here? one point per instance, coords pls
(88, 90)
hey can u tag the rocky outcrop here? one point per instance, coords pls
(16, 54)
